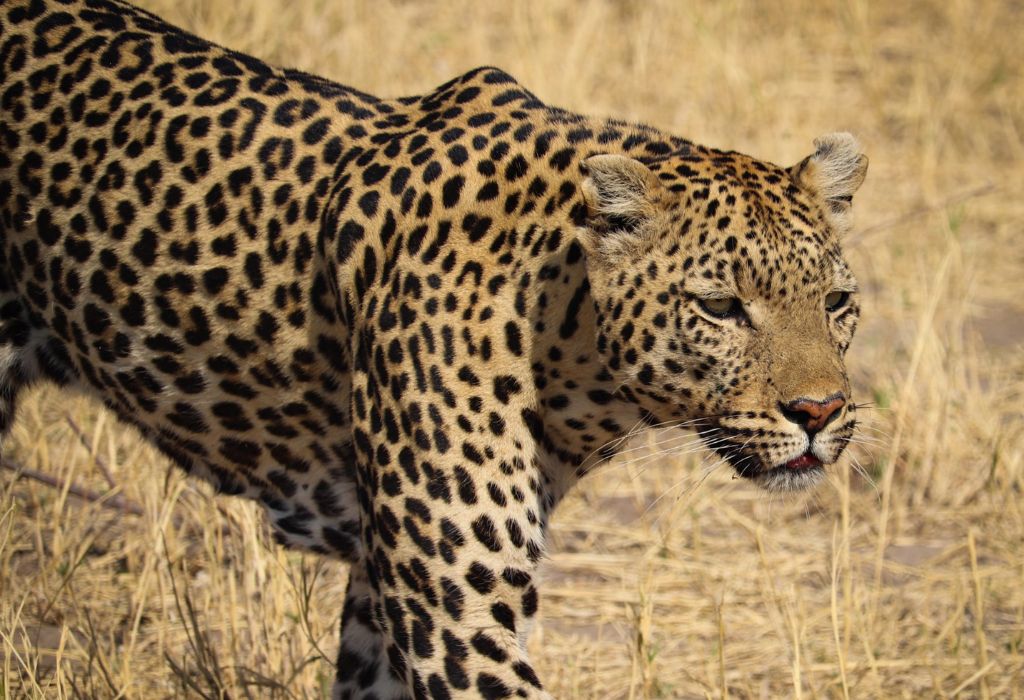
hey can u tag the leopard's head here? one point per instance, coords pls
(724, 302)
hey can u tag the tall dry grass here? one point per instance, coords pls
(902, 578)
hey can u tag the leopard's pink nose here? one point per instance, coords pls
(813, 415)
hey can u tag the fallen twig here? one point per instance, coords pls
(113, 501)
(980, 190)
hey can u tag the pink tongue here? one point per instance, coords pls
(804, 461)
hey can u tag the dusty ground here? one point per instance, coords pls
(902, 578)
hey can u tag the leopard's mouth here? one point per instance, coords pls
(803, 462)
(796, 474)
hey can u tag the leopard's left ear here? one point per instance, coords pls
(833, 173)
(622, 197)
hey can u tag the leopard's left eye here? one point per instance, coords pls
(836, 300)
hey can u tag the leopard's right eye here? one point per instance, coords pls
(728, 307)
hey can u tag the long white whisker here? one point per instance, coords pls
(864, 474)
(696, 445)
(660, 443)
(637, 428)
(706, 472)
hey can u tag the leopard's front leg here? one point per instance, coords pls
(453, 513)
(363, 670)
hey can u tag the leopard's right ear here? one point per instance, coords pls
(622, 196)
(833, 174)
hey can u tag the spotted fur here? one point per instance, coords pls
(406, 326)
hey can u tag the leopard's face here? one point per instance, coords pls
(724, 302)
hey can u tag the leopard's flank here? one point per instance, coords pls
(406, 326)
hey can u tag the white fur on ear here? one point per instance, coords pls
(841, 165)
(621, 194)
(834, 173)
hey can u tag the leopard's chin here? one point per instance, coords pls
(786, 479)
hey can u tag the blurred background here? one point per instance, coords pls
(900, 578)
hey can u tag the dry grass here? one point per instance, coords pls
(902, 582)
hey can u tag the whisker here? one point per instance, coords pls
(674, 452)
(677, 451)
(659, 443)
(639, 428)
(706, 472)
(866, 440)
(872, 406)
(864, 474)
(874, 428)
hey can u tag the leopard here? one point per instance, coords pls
(406, 326)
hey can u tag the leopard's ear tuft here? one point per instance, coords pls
(833, 174)
(621, 195)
